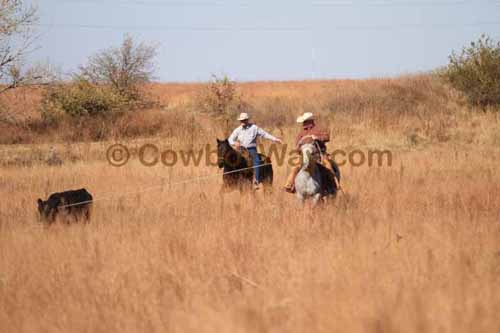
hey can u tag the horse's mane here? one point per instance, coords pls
(311, 146)
(311, 150)
(239, 157)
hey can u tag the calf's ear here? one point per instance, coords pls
(40, 202)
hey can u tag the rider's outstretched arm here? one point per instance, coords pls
(265, 135)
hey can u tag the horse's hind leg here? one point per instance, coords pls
(267, 183)
(86, 215)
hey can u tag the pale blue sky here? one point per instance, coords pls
(269, 40)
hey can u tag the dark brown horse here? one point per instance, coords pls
(238, 173)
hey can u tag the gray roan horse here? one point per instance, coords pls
(314, 180)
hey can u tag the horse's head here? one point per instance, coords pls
(309, 153)
(223, 148)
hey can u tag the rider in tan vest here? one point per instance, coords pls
(312, 132)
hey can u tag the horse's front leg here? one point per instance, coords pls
(316, 199)
(300, 197)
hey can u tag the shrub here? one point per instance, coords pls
(476, 72)
(123, 68)
(81, 99)
(220, 98)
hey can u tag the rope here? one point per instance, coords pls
(186, 181)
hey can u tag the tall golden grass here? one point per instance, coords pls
(410, 248)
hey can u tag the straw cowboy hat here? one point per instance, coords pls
(243, 116)
(306, 116)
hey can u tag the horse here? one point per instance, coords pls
(237, 170)
(314, 180)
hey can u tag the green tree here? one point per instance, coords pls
(476, 72)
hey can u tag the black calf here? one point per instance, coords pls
(75, 203)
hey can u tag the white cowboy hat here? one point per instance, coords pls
(243, 116)
(306, 116)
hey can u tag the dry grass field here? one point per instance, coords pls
(412, 247)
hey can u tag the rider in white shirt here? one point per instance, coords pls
(246, 136)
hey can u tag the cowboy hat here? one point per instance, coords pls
(243, 116)
(306, 116)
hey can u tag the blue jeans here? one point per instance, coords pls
(256, 162)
